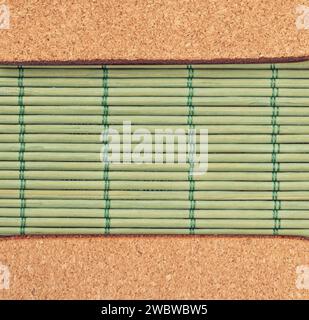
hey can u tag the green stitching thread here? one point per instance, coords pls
(106, 149)
(21, 157)
(275, 151)
(191, 149)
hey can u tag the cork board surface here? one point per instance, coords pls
(152, 30)
(162, 267)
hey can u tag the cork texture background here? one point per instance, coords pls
(161, 267)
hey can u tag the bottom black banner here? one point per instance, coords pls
(151, 309)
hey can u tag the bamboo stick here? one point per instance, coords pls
(80, 119)
(137, 195)
(153, 167)
(156, 204)
(154, 83)
(212, 139)
(153, 92)
(154, 110)
(285, 65)
(156, 185)
(155, 214)
(155, 101)
(154, 223)
(181, 147)
(151, 158)
(152, 176)
(7, 231)
(59, 130)
(154, 73)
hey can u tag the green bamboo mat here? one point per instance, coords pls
(59, 124)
